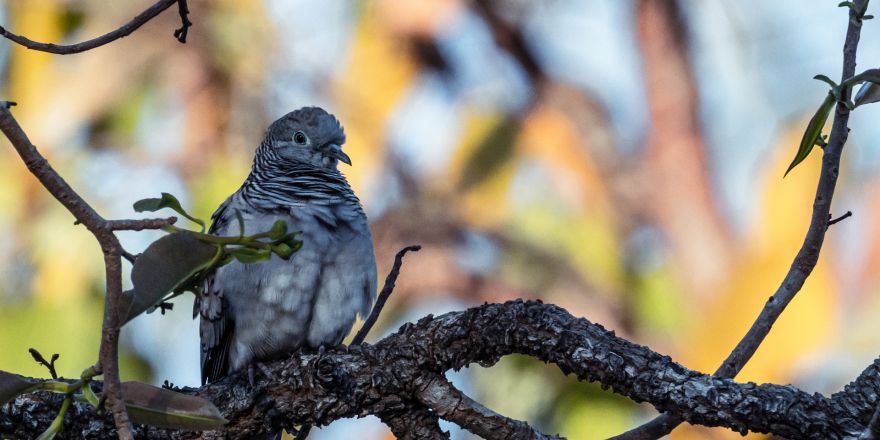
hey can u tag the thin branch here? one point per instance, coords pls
(130, 257)
(181, 32)
(100, 228)
(453, 405)
(50, 365)
(123, 31)
(140, 224)
(807, 256)
(383, 295)
(843, 217)
(108, 353)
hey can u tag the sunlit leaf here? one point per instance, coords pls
(12, 385)
(813, 131)
(166, 201)
(165, 408)
(166, 264)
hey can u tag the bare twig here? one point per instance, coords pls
(123, 31)
(807, 256)
(383, 296)
(183, 10)
(50, 365)
(140, 224)
(843, 217)
(130, 257)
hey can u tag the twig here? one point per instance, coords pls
(123, 31)
(183, 10)
(807, 256)
(838, 219)
(383, 296)
(140, 224)
(130, 257)
(50, 365)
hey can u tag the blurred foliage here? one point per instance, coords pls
(517, 185)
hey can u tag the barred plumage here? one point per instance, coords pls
(261, 311)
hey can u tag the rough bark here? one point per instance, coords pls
(386, 378)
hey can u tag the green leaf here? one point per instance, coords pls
(249, 255)
(813, 131)
(850, 5)
(13, 385)
(826, 79)
(166, 201)
(167, 263)
(165, 408)
(869, 93)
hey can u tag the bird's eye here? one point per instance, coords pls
(299, 137)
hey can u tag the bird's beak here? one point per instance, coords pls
(335, 151)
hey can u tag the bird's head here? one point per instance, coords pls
(310, 136)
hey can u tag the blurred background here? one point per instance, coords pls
(622, 159)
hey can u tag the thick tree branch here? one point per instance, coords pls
(807, 256)
(384, 378)
(123, 31)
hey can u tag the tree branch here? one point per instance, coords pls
(383, 296)
(103, 231)
(385, 378)
(450, 403)
(807, 256)
(123, 31)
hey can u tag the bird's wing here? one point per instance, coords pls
(216, 325)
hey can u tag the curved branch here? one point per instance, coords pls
(453, 405)
(381, 379)
(123, 31)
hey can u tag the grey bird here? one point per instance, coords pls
(258, 312)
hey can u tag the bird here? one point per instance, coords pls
(251, 313)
